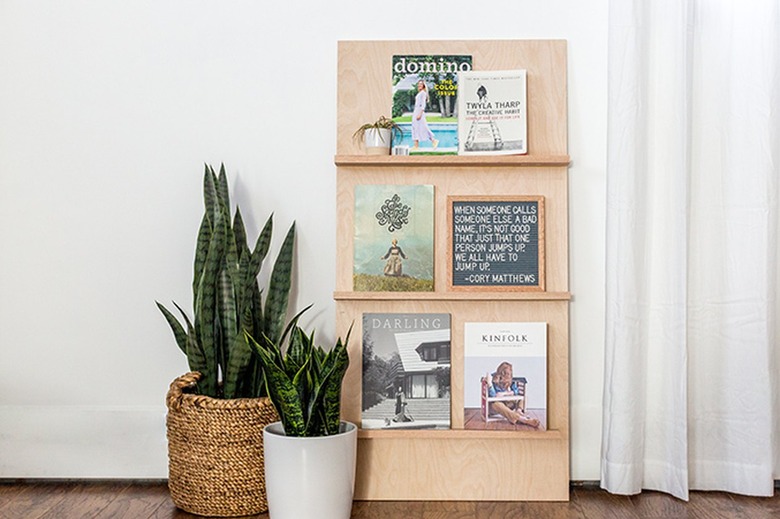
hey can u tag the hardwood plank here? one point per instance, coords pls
(86, 500)
(536, 510)
(717, 505)
(598, 503)
(655, 504)
(167, 510)
(151, 500)
(141, 500)
(30, 500)
(758, 507)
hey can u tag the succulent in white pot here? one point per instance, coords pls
(311, 452)
(377, 137)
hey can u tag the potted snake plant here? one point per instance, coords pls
(217, 411)
(311, 452)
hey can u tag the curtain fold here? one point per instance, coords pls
(693, 157)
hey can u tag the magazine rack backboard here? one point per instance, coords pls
(459, 464)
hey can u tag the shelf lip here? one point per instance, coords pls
(459, 434)
(452, 160)
(452, 296)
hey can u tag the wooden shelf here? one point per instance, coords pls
(451, 296)
(452, 161)
(407, 464)
(457, 434)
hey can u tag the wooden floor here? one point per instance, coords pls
(124, 500)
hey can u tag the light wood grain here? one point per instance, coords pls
(450, 296)
(365, 88)
(554, 313)
(451, 161)
(549, 182)
(150, 500)
(495, 470)
(460, 464)
(461, 434)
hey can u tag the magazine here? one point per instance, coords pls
(406, 371)
(492, 113)
(425, 93)
(393, 238)
(505, 376)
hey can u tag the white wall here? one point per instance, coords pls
(108, 111)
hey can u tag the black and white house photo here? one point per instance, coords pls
(406, 371)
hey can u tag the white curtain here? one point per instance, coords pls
(692, 267)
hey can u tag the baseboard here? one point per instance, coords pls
(83, 442)
(585, 484)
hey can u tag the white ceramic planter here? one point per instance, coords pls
(377, 141)
(310, 477)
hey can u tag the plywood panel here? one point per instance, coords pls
(555, 313)
(460, 464)
(462, 470)
(365, 88)
(550, 182)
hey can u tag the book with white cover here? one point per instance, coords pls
(492, 113)
(505, 376)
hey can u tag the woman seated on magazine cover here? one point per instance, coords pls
(394, 265)
(504, 386)
(420, 130)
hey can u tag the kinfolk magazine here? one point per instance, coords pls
(505, 376)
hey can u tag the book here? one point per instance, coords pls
(393, 240)
(406, 371)
(505, 376)
(425, 94)
(492, 113)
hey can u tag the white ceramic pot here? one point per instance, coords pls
(377, 141)
(310, 477)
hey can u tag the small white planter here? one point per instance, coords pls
(310, 477)
(377, 141)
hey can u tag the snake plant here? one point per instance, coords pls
(227, 299)
(304, 384)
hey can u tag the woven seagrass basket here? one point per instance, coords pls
(215, 451)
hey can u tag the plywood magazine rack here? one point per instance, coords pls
(460, 464)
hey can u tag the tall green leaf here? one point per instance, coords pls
(298, 351)
(201, 249)
(205, 305)
(222, 187)
(237, 366)
(210, 194)
(178, 330)
(257, 310)
(259, 252)
(239, 234)
(279, 288)
(196, 358)
(263, 243)
(227, 308)
(331, 391)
